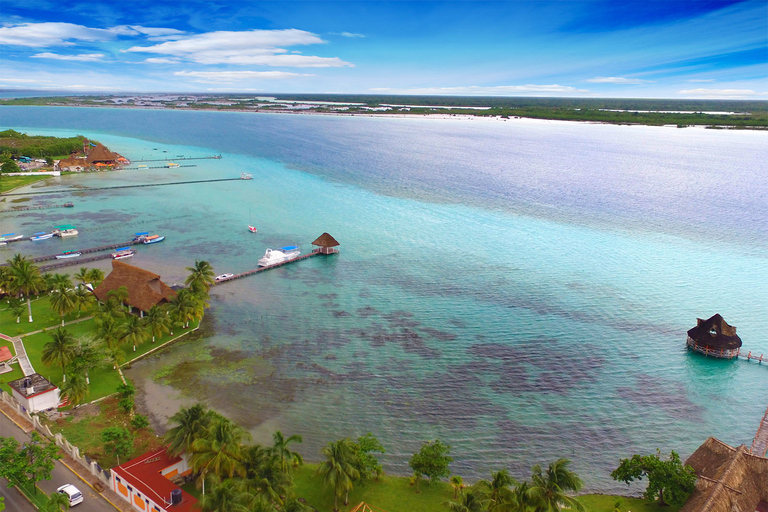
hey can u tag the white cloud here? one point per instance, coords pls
(476, 90)
(346, 34)
(252, 47)
(722, 93)
(618, 80)
(82, 57)
(696, 80)
(161, 60)
(51, 34)
(24, 80)
(234, 76)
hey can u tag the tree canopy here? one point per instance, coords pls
(669, 480)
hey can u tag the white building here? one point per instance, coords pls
(35, 393)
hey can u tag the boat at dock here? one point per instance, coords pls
(153, 239)
(68, 254)
(246, 176)
(123, 253)
(68, 205)
(41, 236)
(275, 256)
(65, 230)
(10, 237)
(139, 237)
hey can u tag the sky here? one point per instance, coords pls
(678, 49)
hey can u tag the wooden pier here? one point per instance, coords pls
(82, 251)
(76, 190)
(74, 261)
(169, 159)
(760, 443)
(315, 252)
(28, 208)
(156, 167)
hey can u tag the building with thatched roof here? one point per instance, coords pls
(145, 289)
(714, 337)
(326, 244)
(100, 154)
(73, 164)
(730, 479)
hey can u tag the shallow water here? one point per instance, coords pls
(519, 289)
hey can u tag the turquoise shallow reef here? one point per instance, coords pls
(519, 289)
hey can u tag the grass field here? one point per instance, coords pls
(43, 317)
(8, 183)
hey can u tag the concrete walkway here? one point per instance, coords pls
(21, 354)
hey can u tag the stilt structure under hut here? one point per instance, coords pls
(326, 244)
(714, 337)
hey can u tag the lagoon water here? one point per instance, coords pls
(519, 289)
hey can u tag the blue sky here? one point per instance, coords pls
(611, 48)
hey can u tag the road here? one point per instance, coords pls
(60, 476)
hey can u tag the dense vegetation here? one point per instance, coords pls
(18, 144)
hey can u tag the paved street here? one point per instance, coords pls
(61, 475)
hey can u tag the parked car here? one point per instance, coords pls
(75, 496)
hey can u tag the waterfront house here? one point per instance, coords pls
(72, 164)
(101, 155)
(35, 393)
(714, 337)
(326, 244)
(146, 483)
(145, 289)
(730, 479)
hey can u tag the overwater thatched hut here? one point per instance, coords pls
(325, 244)
(730, 479)
(145, 289)
(714, 337)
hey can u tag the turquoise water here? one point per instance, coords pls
(519, 289)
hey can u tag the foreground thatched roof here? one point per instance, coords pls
(101, 154)
(145, 289)
(715, 333)
(730, 479)
(326, 240)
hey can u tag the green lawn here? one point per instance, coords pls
(13, 375)
(42, 315)
(605, 503)
(8, 183)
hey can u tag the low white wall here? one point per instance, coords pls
(46, 173)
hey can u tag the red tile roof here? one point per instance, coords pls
(5, 354)
(143, 473)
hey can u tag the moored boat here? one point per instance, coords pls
(65, 230)
(139, 237)
(68, 254)
(252, 229)
(69, 205)
(275, 256)
(10, 237)
(123, 253)
(41, 236)
(153, 239)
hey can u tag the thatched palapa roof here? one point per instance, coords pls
(101, 154)
(715, 333)
(145, 289)
(730, 479)
(326, 240)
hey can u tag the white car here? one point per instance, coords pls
(75, 496)
(222, 277)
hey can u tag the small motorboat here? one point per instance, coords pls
(41, 236)
(246, 176)
(68, 205)
(223, 277)
(65, 230)
(252, 229)
(123, 253)
(68, 254)
(153, 239)
(10, 237)
(275, 256)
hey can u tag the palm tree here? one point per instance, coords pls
(220, 451)
(201, 277)
(61, 350)
(134, 331)
(88, 355)
(108, 330)
(81, 275)
(119, 294)
(548, 487)
(83, 299)
(116, 357)
(109, 309)
(25, 279)
(63, 301)
(57, 502)
(496, 493)
(95, 276)
(285, 457)
(184, 306)
(191, 424)
(16, 307)
(468, 502)
(457, 483)
(265, 476)
(338, 470)
(228, 496)
(61, 282)
(157, 321)
(5, 279)
(76, 390)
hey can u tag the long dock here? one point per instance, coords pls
(28, 208)
(169, 159)
(74, 261)
(760, 443)
(157, 167)
(316, 252)
(76, 190)
(82, 251)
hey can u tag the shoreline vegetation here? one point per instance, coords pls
(714, 114)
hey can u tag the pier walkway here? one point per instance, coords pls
(316, 252)
(169, 159)
(75, 261)
(760, 443)
(76, 190)
(27, 208)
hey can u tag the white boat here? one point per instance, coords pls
(252, 229)
(275, 256)
(223, 277)
(123, 253)
(41, 236)
(153, 239)
(246, 176)
(68, 254)
(10, 237)
(65, 231)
